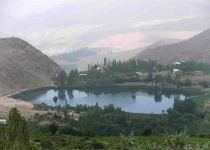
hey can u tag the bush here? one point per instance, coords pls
(88, 133)
(204, 84)
(147, 132)
(97, 145)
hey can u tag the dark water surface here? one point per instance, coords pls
(130, 100)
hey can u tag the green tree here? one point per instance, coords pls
(186, 106)
(177, 79)
(169, 79)
(159, 79)
(2, 136)
(61, 79)
(187, 82)
(105, 62)
(149, 77)
(16, 131)
(53, 128)
(73, 77)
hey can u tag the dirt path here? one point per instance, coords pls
(6, 103)
(24, 107)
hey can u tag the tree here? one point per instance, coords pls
(55, 99)
(186, 106)
(105, 62)
(177, 79)
(61, 79)
(169, 79)
(187, 82)
(65, 112)
(53, 128)
(204, 84)
(73, 77)
(149, 77)
(159, 79)
(2, 136)
(16, 131)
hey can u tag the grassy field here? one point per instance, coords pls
(198, 78)
(64, 142)
(199, 100)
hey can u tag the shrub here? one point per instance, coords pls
(97, 145)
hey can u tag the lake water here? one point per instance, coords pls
(130, 100)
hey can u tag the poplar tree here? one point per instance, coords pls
(17, 134)
(2, 136)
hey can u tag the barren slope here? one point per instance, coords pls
(23, 66)
(194, 49)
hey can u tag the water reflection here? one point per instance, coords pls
(61, 94)
(130, 100)
(70, 93)
(158, 96)
(133, 97)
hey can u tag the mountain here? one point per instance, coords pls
(75, 55)
(196, 48)
(164, 42)
(23, 66)
(80, 58)
(103, 24)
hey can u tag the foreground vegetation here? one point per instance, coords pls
(185, 126)
(15, 136)
(111, 121)
(162, 142)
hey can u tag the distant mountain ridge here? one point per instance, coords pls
(22, 66)
(164, 42)
(75, 55)
(196, 48)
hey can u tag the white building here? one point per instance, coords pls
(176, 63)
(176, 71)
(3, 121)
(139, 73)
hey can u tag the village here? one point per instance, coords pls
(171, 77)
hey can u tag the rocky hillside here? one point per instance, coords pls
(164, 42)
(194, 49)
(22, 66)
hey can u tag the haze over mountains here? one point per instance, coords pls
(114, 24)
(113, 29)
(194, 49)
(79, 58)
(22, 66)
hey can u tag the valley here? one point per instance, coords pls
(104, 75)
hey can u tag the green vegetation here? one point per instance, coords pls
(43, 141)
(15, 135)
(53, 128)
(138, 71)
(181, 127)
(111, 121)
(178, 128)
(192, 66)
(161, 142)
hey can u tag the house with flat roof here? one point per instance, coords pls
(198, 72)
(176, 63)
(3, 121)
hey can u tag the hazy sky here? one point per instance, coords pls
(56, 25)
(23, 8)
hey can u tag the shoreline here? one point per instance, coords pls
(85, 86)
(12, 100)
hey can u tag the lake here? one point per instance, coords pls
(130, 100)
